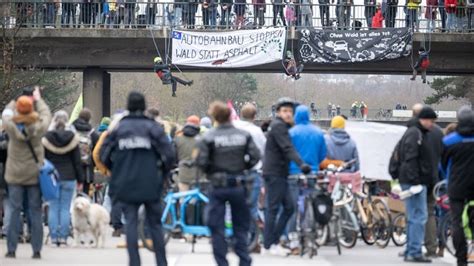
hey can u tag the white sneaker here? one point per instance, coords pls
(278, 250)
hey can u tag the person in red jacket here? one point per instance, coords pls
(430, 13)
(377, 20)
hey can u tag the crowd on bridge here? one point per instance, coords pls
(234, 157)
(452, 15)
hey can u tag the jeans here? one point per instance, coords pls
(255, 193)
(15, 194)
(59, 216)
(442, 14)
(324, 13)
(344, 17)
(236, 196)
(417, 215)
(153, 221)
(459, 23)
(178, 15)
(369, 21)
(68, 14)
(49, 14)
(459, 239)
(209, 17)
(130, 15)
(278, 194)
(451, 22)
(390, 16)
(470, 13)
(294, 192)
(307, 20)
(412, 18)
(225, 15)
(259, 15)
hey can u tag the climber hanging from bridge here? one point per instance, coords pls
(291, 67)
(163, 71)
(421, 64)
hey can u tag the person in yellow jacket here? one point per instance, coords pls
(412, 13)
(101, 169)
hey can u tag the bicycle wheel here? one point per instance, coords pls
(447, 234)
(347, 236)
(399, 233)
(367, 234)
(144, 235)
(383, 229)
(322, 234)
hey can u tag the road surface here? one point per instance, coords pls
(179, 254)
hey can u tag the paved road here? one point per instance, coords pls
(179, 253)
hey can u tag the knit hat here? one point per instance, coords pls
(136, 102)
(338, 122)
(105, 121)
(24, 105)
(206, 122)
(427, 113)
(193, 120)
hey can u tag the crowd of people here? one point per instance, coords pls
(454, 15)
(138, 150)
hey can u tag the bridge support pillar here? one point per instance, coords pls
(96, 92)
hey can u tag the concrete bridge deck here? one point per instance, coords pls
(133, 50)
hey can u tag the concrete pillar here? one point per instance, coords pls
(96, 92)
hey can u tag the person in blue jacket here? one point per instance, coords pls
(309, 142)
(340, 146)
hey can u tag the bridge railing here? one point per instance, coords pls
(209, 14)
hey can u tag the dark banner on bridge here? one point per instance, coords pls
(335, 47)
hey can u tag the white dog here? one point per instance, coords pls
(89, 218)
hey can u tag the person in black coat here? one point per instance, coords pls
(458, 162)
(88, 137)
(62, 149)
(139, 155)
(416, 170)
(279, 152)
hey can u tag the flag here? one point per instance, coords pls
(77, 109)
(233, 114)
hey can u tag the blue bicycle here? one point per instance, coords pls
(183, 214)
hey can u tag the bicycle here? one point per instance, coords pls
(177, 224)
(375, 219)
(384, 113)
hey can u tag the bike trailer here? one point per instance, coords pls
(354, 179)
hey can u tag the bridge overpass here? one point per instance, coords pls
(97, 52)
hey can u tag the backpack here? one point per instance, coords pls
(322, 207)
(468, 219)
(396, 160)
(85, 147)
(425, 63)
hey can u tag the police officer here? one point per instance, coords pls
(225, 153)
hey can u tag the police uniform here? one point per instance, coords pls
(225, 153)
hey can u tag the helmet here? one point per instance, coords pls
(157, 60)
(285, 101)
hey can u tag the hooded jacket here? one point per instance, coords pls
(416, 154)
(185, 144)
(341, 147)
(62, 149)
(82, 126)
(139, 155)
(21, 168)
(308, 141)
(279, 151)
(458, 159)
